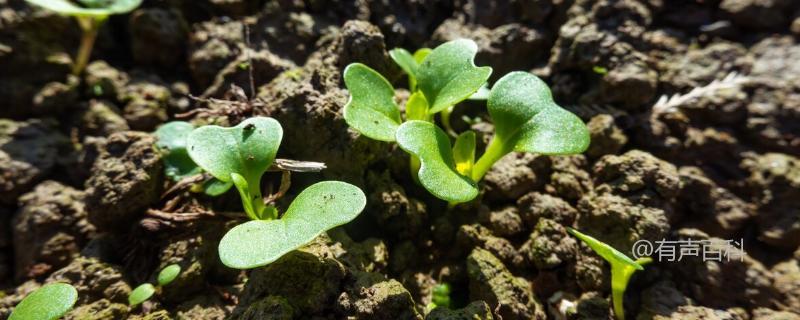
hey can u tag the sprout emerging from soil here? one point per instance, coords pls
(440, 297)
(241, 155)
(145, 291)
(49, 302)
(90, 15)
(525, 117)
(622, 268)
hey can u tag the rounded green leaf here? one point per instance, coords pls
(141, 294)
(371, 109)
(46, 303)
(248, 149)
(406, 61)
(437, 172)
(97, 8)
(168, 274)
(417, 107)
(448, 74)
(172, 141)
(214, 187)
(526, 117)
(318, 208)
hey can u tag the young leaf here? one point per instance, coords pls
(214, 187)
(49, 302)
(172, 141)
(622, 268)
(318, 208)
(406, 61)
(420, 54)
(67, 7)
(438, 172)
(464, 152)
(371, 109)
(448, 74)
(417, 107)
(247, 149)
(168, 274)
(141, 294)
(527, 119)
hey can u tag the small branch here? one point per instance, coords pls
(668, 104)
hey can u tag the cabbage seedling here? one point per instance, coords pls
(440, 297)
(49, 302)
(242, 154)
(622, 268)
(145, 291)
(90, 15)
(525, 116)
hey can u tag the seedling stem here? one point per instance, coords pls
(90, 27)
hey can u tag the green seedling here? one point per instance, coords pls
(242, 154)
(178, 165)
(145, 291)
(49, 302)
(525, 117)
(440, 297)
(90, 15)
(622, 268)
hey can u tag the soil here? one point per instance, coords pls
(83, 196)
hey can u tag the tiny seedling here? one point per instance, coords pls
(49, 302)
(440, 297)
(145, 291)
(90, 15)
(242, 154)
(526, 119)
(622, 268)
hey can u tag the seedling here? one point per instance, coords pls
(440, 297)
(525, 117)
(622, 268)
(49, 302)
(242, 154)
(145, 291)
(90, 15)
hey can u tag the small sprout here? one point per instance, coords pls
(141, 294)
(145, 291)
(525, 117)
(168, 274)
(90, 15)
(49, 302)
(440, 297)
(600, 70)
(622, 268)
(239, 155)
(317, 209)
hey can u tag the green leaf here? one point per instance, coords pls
(420, 54)
(49, 302)
(417, 107)
(67, 7)
(168, 274)
(441, 295)
(464, 152)
(172, 141)
(406, 61)
(141, 294)
(613, 256)
(318, 208)
(438, 172)
(247, 149)
(214, 187)
(448, 74)
(526, 117)
(371, 109)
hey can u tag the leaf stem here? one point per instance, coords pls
(90, 27)
(494, 152)
(413, 166)
(445, 114)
